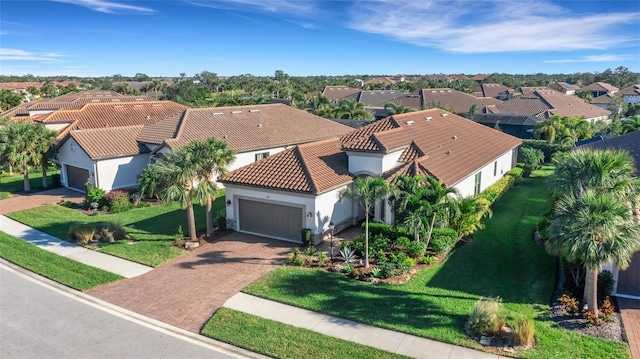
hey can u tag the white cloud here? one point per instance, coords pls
(592, 58)
(7, 54)
(296, 7)
(489, 26)
(106, 6)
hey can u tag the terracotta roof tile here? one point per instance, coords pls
(335, 93)
(600, 86)
(459, 102)
(633, 90)
(248, 128)
(100, 143)
(545, 103)
(490, 90)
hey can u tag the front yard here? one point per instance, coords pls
(502, 260)
(15, 183)
(153, 228)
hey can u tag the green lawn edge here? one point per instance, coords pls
(281, 340)
(63, 270)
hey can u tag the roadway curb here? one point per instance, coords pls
(133, 316)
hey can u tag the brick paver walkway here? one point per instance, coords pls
(630, 312)
(188, 290)
(19, 202)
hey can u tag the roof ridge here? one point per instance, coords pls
(305, 168)
(180, 127)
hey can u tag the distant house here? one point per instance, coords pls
(544, 104)
(602, 101)
(600, 88)
(564, 87)
(627, 282)
(520, 126)
(337, 93)
(112, 157)
(375, 100)
(494, 90)
(631, 94)
(459, 102)
(299, 187)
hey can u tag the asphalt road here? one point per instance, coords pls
(39, 321)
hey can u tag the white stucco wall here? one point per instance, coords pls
(120, 172)
(329, 208)
(77, 158)
(56, 126)
(466, 186)
(372, 163)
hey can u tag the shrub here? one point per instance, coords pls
(55, 180)
(376, 228)
(221, 220)
(605, 285)
(295, 258)
(379, 242)
(429, 259)
(443, 239)
(135, 199)
(485, 318)
(504, 184)
(376, 272)
(531, 158)
(523, 330)
(94, 195)
(607, 309)
(348, 255)
(118, 201)
(388, 270)
(311, 250)
(416, 249)
(402, 242)
(570, 304)
(547, 149)
(306, 237)
(322, 258)
(83, 233)
(359, 274)
(348, 269)
(380, 257)
(592, 318)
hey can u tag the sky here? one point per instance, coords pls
(316, 37)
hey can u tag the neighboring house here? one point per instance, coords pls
(631, 94)
(374, 100)
(520, 126)
(337, 93)
(627, 282)
(602, 101)
(253, 132)
(299, 188)
(409, 100)
(459, 102)
(600, 88)
(498, 91)
(384, 80)
(96, 142)
(544, 104)
(564, 87)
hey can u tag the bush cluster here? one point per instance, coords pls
(443, 240)
(504, 184)
(104, 232)
(547, 149)
(118, 201)
(486, 318)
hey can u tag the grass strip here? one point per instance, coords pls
(57, 268)
(280, 340)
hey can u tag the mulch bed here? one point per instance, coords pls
(606, 330)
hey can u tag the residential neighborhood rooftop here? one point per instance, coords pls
(109, 142)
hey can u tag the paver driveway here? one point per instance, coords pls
(186, 291)
(19, 202)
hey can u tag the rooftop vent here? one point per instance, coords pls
(449, 152)
(95, 100)
(254, 111)
(409, 123)
(444, 115)
(454, 137)
(259, 125)
(148, 117)
(225, 136)
(139, 99)
(428, 118)
(217, 113)
(236, 112)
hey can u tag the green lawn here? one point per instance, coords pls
(60, 269)
(15, 183)
(502, 260)
(280, 340)
(153, 227)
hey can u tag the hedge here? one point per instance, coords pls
(443, 240)
(386, 230)
(549, 149)
(504, 184)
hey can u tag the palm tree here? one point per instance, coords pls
(440, 202)
(212, 158)
(44, 147)
(18, 147)
(395, 109)
(594, 228)
(150, 182)
(178, 172)
(467, 215)
(352, 109)
(367, 191)
(410, 196)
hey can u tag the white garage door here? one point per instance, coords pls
(271, 220)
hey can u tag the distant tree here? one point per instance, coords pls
(587, 96)
(9, 99)
(140, 77)
(617, 105)
(395, 109)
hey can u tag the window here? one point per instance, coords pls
(495, 168)
(262, 155)
(477, 183)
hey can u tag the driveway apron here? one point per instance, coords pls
(19, 202)
(186, 291)
(630, 313)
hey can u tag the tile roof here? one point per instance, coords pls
(433, 142)
(336, 93)
(563, 86)
(382, 80)
(310, 168)
(629, 142)
(244, 128)
(506, 119)
(547, 103)
(378, 98)
(490, 90)
(458, 101)
(600, 86)
(633, 90)
(409, 100)
(101, 143)
(602, 99)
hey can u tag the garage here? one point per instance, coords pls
(76, 177)
(271, 220)
(629, 279)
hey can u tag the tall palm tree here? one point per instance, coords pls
(440, 202)
(18, 147)
(44, 148)
(213, 158)
(367, 190)
(594, 228)
(410, 196)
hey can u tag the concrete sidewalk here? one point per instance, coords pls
(388, 340)
(55, 245)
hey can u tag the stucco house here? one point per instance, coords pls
(600, 88)
(627, 282)
(299, 188)
(113, 157)
(631, 94)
